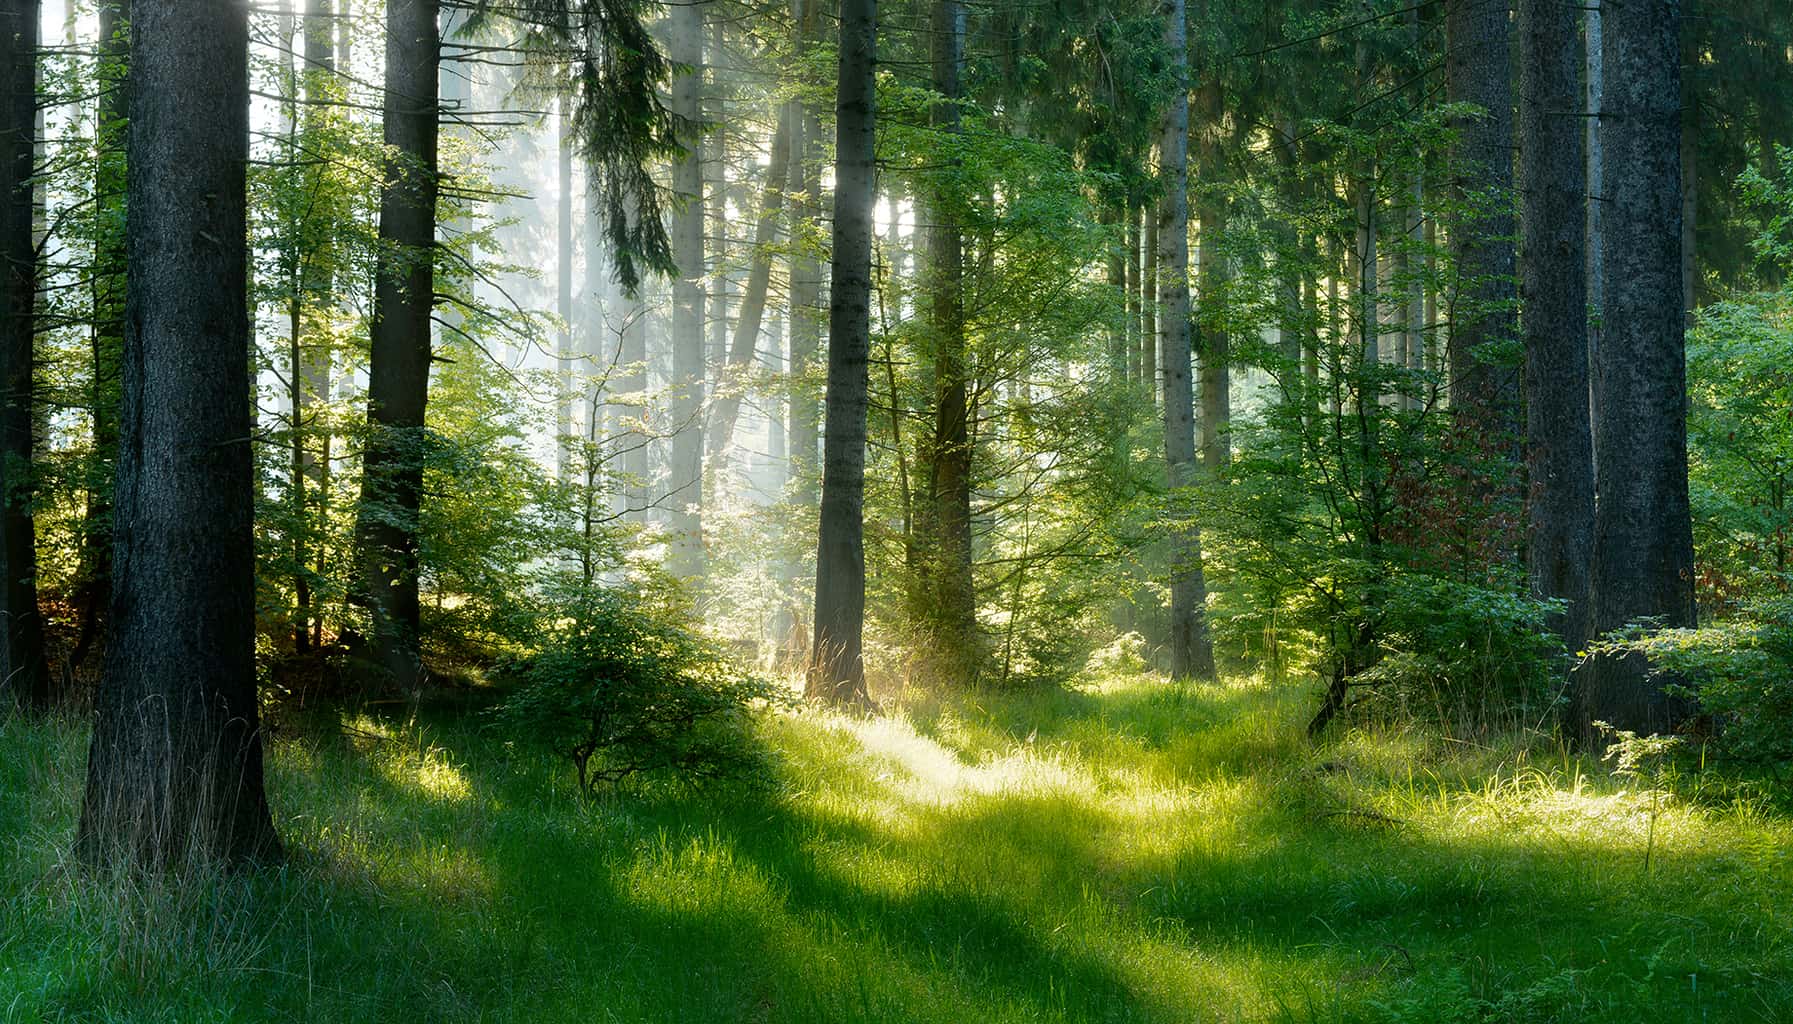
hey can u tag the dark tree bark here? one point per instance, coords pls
(1643, 537)
(685, 489)
(22, 666)
(1484, 384)
(951, 595)
(399, 370)
(1191, 650)
(175, 771)
(1553, 289)
(837, 664)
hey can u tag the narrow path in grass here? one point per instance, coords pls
(1125, 850)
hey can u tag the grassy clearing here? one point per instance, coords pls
(1127, 851)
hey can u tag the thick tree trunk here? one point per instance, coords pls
(1643, 539)
(22, 666)
(399, 370)
(1553, 288)
(947, 555)
(1593, 39)
(684, 496)
(1191, 650)
(1484, 382)
(175, 771)
(837, 664)
(779, 180)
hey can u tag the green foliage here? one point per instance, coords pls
(1122, 851)
(627, 688)
(1739, 669)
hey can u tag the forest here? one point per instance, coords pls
(932, 510)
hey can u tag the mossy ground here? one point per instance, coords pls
(1127, 850)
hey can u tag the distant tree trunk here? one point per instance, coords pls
(952, 597)
(837, 664)
(685, 487)
(1553, 289)
(22, 665)
(1643, 537)
(1484, 385)
(174, 775)
(563, 274)
(632, 357)
(314, 348)
(399, 370)
(1132, 291)
(1212, 340)
(1191, 650)
(1416, 289)
(107, 340)
(779, 180)
(1148, 304)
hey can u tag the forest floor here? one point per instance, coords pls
(1127, 850)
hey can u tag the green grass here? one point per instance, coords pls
(1126, 851)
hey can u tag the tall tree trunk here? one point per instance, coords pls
(952, 596)
(1690, 174)
(1643, 538)
(1191, 650)
(175, 771)
(780, 179)
(1213, 341)
(1148, 305)
(1553, 289)
(563, 282)
(1134, 266)
(685, 485)
(1484, 383)
(837, 663)
(1594, 39)
(312, 442)
(22, 665)
(399, 370)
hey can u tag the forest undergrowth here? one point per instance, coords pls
(1122, 850)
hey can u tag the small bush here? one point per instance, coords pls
(628, 688)
(1739, 670)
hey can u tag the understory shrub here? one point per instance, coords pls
(1739, 671)
(627, 687)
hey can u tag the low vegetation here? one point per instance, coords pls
(1123, 849)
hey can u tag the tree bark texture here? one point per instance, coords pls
(399, 368)
(1191, 650)
(1484, 379)
(175, 769)
(837, 663)
(1643, 537)
(1553, 291)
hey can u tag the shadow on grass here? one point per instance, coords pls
(1122, 854)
